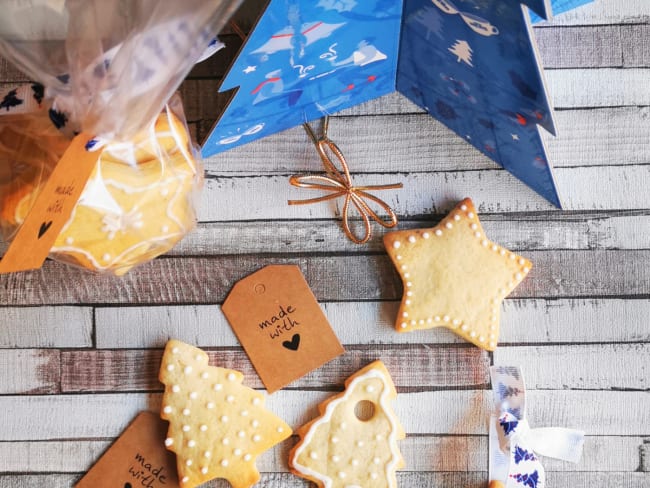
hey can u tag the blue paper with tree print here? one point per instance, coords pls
(470, 63)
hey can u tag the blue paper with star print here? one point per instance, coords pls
(469, 63)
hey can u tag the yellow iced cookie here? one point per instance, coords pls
(454, 277)
(354, 441)
(218, 427)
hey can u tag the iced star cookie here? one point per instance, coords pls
(218, 427)
(454, 277)
(354, 441)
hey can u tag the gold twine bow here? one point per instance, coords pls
(339, 183)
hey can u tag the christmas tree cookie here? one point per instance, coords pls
(454, 277)
(218, 427)
(354, 441)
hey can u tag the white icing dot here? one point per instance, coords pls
(398, 257)
(255, 424)
(477, 235)
(185, 479)
(336, 458)
(69, 240)
(189, 462)
(463, 207)
(174, 350)
(256, 401)
(429, 320)
(472, 334)
(502, 252)
(224, 462)
(456, 217)
(237, 452)
(370, 388)
(495, 248)
(413, 322)
(379, 437)
(241, 433)
(280, 430)
(217, 387)
(186, 411)
(313, 455)
(403, 325)
(225, 441)
(526, 270)
(456, 322)
(198, 358)
(491, 336)
(224, 418)
(408, 302)
(210, 405)
(407, 275)
(169, 441)
(481, 339)
(207, 454)
(232, 376)
(230, 399)
(341, 474)
(493, 327)
(405, 314)
(359, 443)
(191, 443)
(188, 369)
(373, 475)
(164, 192)
(334, 440)
(205, 375)
(492, 344)
(247, 457)
(470, 215)
(438, 232)
(446, 318)
(243, 413)
(437, 318)
(421, 321)
(397, 244)
(513, 257)
(354, 462)
(343, 425)
(522, 261)
(484, 243)
(412, 239)
(404, 267)
(186, 428)
(426, 235)
(204, 470)
(518, 276)
(194, 395)
(376, 460)
(203, 428)
(409, 284)
(257, 438)
(106, 257)
(449, 225)
(167, 409)
(409, 293)
(473, 226)
(464, 327)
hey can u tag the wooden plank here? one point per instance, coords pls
(422, 453)
(137, 370)
(29, 371)
(603, 12)
(421, 367)
(596, 188)
(458, 412)
(556, 274)
(589, 367)
(46, 327)
(582, 47)
(635, 45)
(523, 321)
(406, 479)
(609, 231)
(419, 143)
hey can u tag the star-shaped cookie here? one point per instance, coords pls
(454, 277)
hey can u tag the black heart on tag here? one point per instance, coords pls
(293, 343)
(127, 485)
(44, 228)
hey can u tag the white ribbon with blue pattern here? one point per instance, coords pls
(514, 446)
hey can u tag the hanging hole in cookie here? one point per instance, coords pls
(259, 288)
(364, 410)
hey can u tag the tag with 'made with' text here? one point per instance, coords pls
(280, 324)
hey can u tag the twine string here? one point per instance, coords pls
(339, 183)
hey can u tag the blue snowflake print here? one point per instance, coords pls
(91, 144)
(508, 391)
(527, 479)
(508, 426)
(10, 100)
(505, 370)
(522, 454)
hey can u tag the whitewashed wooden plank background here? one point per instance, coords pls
(79, 353)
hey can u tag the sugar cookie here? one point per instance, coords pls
(454, 277)
(354, 441)
(218, 427)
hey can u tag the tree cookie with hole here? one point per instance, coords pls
(454, 277)
(217, 426)
(353, 443)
